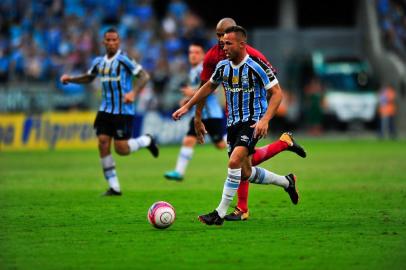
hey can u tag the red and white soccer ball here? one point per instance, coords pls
(161, 215)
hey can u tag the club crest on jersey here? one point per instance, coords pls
(244, 79)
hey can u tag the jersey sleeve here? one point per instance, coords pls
(209, 65)
(94, 68)
(131, 65)
(266, 77)
(265, 66)
(216, 78)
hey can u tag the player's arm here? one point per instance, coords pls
(140, 77)
(141, 80)
(81, 79)
(200, 129)
(267, 78)
(203, 92)
(261, 127)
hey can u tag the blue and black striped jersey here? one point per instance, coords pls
(116, 75)
(245, 86)
(212, 108)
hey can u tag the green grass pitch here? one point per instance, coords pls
(352, 213)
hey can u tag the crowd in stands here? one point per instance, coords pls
(392, 19)
(41, 39)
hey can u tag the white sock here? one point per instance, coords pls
(264, 177)
(137, 143)
(109, 170)
(185, 155)
(229, 190)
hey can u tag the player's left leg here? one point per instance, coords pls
(264, 177)
(285, 142)
(124, 144)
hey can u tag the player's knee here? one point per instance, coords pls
(103, 145)
(121, 149)
(234, 162)
(189, 141)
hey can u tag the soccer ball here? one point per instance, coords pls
(161, 215)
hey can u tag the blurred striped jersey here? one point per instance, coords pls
(116, 75)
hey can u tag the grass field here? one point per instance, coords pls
(352, 213)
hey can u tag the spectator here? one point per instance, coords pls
(313, 106)
(387, 112)
(39, 37)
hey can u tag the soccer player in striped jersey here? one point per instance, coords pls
(247, 83)
(212, 115)
(115, 116)
(285, 142)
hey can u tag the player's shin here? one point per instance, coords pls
(230, 188)
(185, 155)
(109, 170)
(266, 152)
(265, 177)
(242, 192)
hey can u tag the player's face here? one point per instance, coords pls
(111, 42)
(232, 46)
(196, 55)
(220, 37)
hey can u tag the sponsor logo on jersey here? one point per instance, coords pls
(244, 138)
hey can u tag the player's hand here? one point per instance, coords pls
(65, 79)
(129, 97)
(187, 91)
(261, 129)
(179, 113)
(200, 130)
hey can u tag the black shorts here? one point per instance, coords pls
(119, 126)
(214, 126)
(241, 134)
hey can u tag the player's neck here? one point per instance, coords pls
(111, 54)
(239, 58)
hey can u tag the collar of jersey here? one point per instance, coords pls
(106, 59)
(241, 63)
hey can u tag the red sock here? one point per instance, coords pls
(242, 192)
(268, 151)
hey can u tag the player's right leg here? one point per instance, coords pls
(184, 156)
(104, 134)
(240, 149)
(285, 142)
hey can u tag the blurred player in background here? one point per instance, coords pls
(285, 142)
(247, 82)
(212, 115)
(115, 116)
